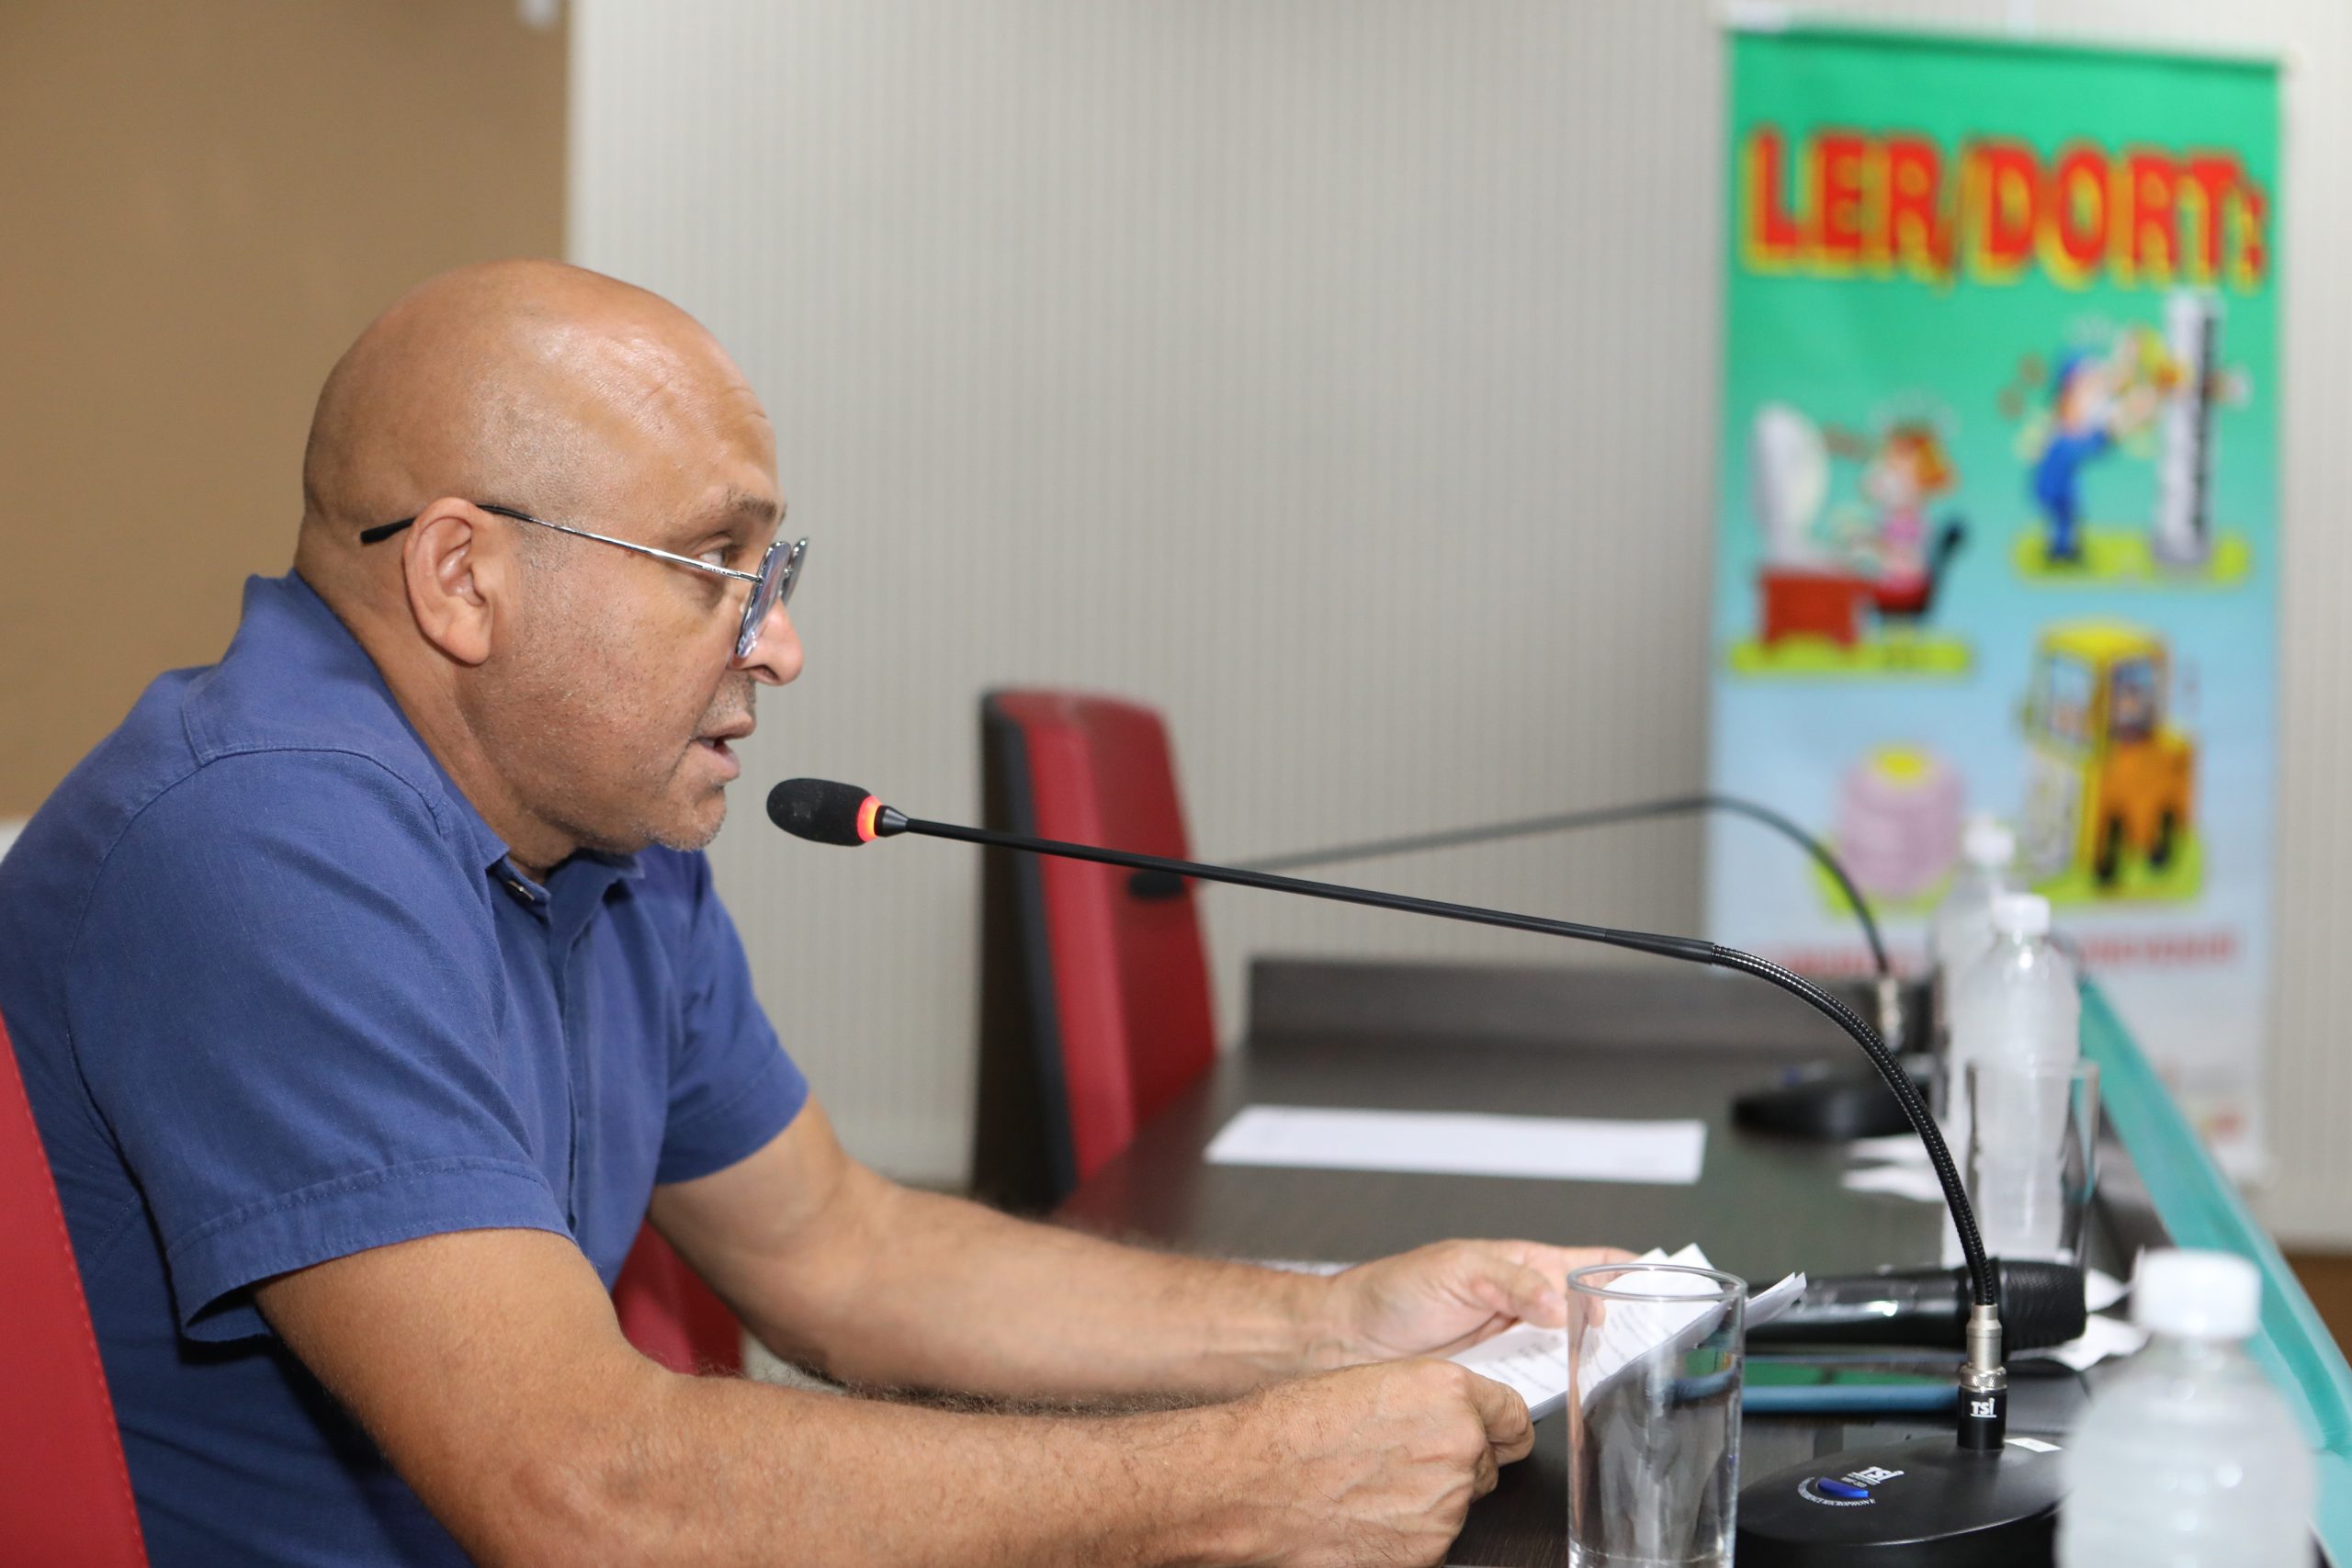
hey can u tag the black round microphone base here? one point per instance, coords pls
(1930, 1504)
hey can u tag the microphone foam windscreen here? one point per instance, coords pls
(817, 809)
(2041, 1304)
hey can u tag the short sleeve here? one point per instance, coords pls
(283, 997)
(732, 1088)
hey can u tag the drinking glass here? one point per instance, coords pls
(1655, 1361)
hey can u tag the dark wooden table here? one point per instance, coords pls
(1632, 1043)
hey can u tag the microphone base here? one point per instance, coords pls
(1930, 1504)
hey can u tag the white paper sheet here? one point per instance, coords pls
(1535, 1360)
(1568, 1148)
(1917, 1182)
(1899, 1148)
(2102, 1338)
(2101, 1292)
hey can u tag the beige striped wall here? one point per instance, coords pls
(1338, 375)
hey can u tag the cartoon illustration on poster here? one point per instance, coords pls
(1997, 519)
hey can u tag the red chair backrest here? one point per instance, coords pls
(670, 1315)
(64, 1490)
(1120, 1016)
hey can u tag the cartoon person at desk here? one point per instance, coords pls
(1907, 469)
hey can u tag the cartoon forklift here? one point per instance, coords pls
(2106, 774)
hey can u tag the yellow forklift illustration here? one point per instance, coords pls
(2106, 774)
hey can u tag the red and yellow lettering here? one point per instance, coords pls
(2074, 212)
(2212, 178)
(1911, 229)
(2004, 197)
(1838, 199)
(2148, 247)
(1895, 204)
(2249, 256)
(1769, 240)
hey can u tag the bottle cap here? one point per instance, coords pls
(1986, 844)
(2021, 914)
(2196, 1294)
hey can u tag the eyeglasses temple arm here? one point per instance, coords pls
(385, 530)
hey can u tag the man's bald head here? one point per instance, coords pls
(582, 697)
(525, 382)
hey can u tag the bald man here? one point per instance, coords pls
(371, 992)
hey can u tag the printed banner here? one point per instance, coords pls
(1997, 522)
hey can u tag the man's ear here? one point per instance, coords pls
(456, 572)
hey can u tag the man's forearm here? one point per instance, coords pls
(722, 1470)
(488, 1367)
(932, 1292)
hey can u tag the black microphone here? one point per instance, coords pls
(828, 813)
(2002, 1503)
(2042, 1305)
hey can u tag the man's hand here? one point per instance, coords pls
(1439, 1299)
(1370, 1465)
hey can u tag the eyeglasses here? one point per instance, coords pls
(770, 584)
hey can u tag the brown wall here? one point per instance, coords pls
(199, 205)
(2326, 1278)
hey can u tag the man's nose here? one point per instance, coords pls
(775, 659)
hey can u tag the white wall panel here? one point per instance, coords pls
(1338, 375)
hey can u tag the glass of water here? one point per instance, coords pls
(1654, 1364)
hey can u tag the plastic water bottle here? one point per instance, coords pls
(2016, 1002)
(2015, 1006)
(1962, 927)
(2188, 1458)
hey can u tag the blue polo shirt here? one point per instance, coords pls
(280, 995)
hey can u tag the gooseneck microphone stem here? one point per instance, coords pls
(1690, 950)
(1601, 816)
(1155, 884)
(842, 814)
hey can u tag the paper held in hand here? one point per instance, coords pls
(1535, 1361)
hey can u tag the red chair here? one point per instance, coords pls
(64, 1490)
(670, 1315)
(1095, 1003)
